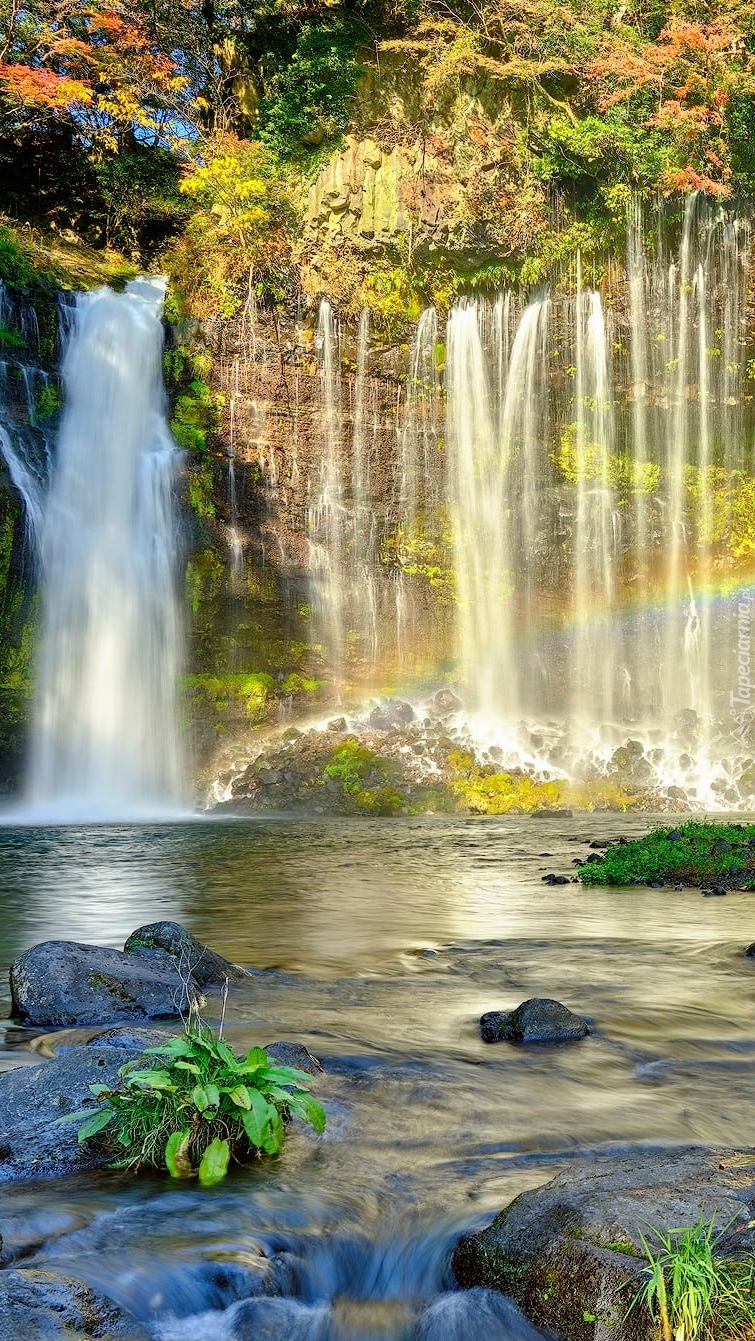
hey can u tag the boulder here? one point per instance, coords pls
(294, 1054)
(33, 1141)
(65, 983)
(570, 1252)
(37, 1305)
(203, 964)
(539, 1020)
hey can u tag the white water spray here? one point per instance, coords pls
(104, 737)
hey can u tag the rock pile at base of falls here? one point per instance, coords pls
(427, 757)
(570, 1253)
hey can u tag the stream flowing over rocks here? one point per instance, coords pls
(459, 1190)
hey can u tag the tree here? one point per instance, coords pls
(94, 66)
(683, 83)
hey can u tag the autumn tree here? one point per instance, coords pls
(682, 84)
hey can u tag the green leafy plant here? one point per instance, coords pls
(196, 1106)
(688, 1288)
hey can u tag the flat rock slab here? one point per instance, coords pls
(539, 1020)
(570, 1252)
(33, 1143)
(44, 1306)
(65, 983)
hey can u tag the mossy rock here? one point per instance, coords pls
(554, 1249)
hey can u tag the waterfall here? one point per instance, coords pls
(477, 484)
(595, 448)
(594, 559)
(326, 515)
(104, 738)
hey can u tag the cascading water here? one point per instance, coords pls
(326, 515)
(104, 738)
(477, 485)
(555, 505)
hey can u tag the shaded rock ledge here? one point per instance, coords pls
(160, 971)
(40, 1305)
(570, 1253)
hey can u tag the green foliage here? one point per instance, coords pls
(238, 240)
(693, 854)
(200, 488)
(196, 416)
(380, 801)
(300, 684)
(618, 146)
(694, 1294)
(243, 694)
(20, 261)
(352, 765)
(10, 339)
(47, 402)
(142, 205)
(196, 1106)
(593, 461)
(307, 100)
(420, 554)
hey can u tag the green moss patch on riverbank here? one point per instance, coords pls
(698, 854)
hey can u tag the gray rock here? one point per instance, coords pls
(446, 701)
(33, 1142)
(64, 983)
(539, 1020)
(294, 1054)
(570, 1252)
(203, 964)
(40, 1305)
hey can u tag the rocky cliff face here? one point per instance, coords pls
(446, 177)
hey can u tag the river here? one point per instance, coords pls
(388, 939)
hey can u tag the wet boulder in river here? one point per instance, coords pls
(570, 1252)
(539, 1020)
(205, 966)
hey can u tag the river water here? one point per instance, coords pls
(388, 939)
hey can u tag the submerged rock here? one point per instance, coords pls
(570, 1252)
(33, 1099)
(539, 1020)
(475, 1315)
(294, 1054)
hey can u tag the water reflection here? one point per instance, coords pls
(392, 938)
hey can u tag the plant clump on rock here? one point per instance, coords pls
(196, 1105)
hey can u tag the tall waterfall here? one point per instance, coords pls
(104, 736)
